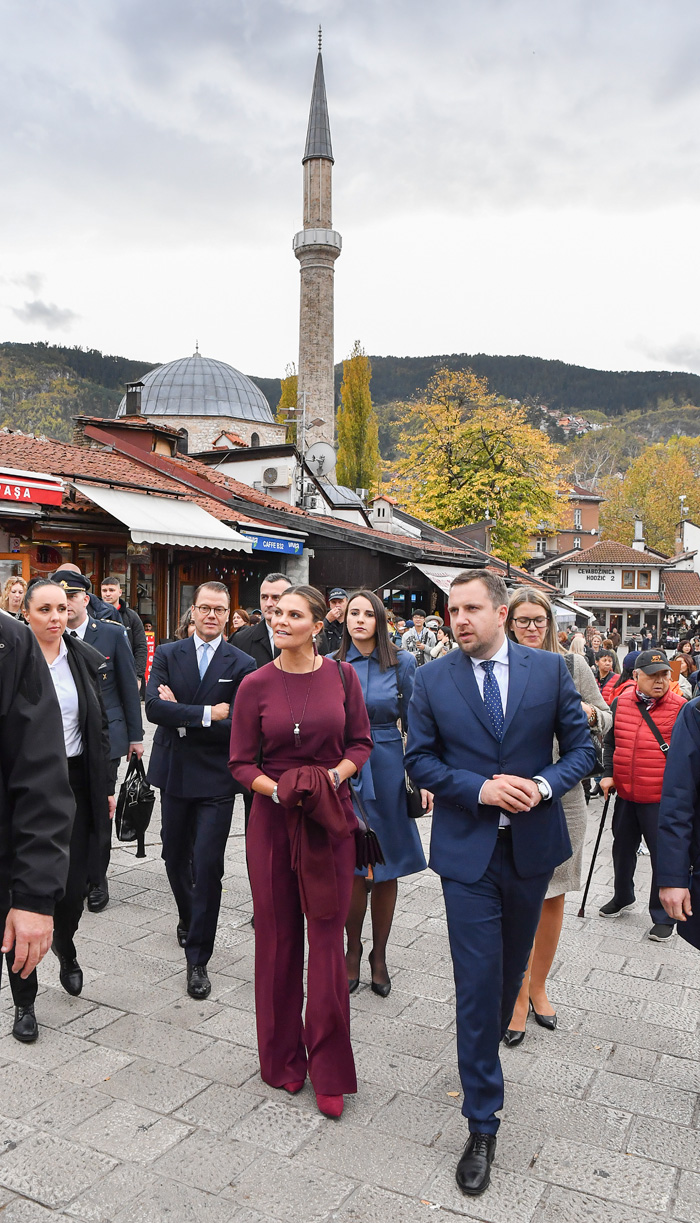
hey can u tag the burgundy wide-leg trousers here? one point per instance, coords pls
(287, 1044)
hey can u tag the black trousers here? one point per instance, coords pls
(69, 910)
(23, 992)
(631, 822)
(194, 832)
(100, 852)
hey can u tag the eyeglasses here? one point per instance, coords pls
(526, 621)
(205, 609)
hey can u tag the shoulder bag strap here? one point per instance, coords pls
(653, 728)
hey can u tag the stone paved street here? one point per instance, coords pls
(138, 1104)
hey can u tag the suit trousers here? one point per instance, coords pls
(491, 925)
(194, 833)
(631, 822)
(69, 909)
(100, 854)
(23, 992)
(288, 1045)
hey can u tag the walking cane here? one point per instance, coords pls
(582, 910)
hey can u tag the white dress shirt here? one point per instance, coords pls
(213, 647)
(271, 635)
(67, 694)
(501, 673)
(78, 630)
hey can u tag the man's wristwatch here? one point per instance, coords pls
(274, 796)
(544, 790)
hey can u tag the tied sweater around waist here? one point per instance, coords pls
(315, 818)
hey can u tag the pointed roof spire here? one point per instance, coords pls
(318, 136)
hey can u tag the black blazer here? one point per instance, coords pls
(193, 764)
(255, 641)
(37, 807)
(120, 686)
(88, 668)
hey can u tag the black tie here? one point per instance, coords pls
(73, 633)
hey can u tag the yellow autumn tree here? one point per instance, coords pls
(467, 454)
(288, 401)
(358, 438)
(651, 489)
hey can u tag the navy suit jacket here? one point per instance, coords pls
(193, 765)
(120, 685)
(452, 750)
(678, 844)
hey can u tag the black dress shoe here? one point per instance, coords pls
(25, 1027)
(98, 897)
(198, 983)
(474, 1168)
(545, 1021)
(512, 1038)
(70, 974)
(354, 982)
(382, 988)
(182, 933)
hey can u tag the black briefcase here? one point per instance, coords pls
(134, 806)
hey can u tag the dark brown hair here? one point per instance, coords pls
(241, 611)
(311, 596)
(387, 653)
(496, 587)
(218, 586)
(112, 580)
(37, 584)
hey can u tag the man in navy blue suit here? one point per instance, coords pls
(189, 695)
(482, 722)
(678, 839)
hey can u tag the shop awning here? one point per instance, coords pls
(570, 610)
(442, 576)
(165, 520)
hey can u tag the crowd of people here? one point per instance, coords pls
(328, 720)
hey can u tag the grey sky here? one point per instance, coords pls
(509, 177)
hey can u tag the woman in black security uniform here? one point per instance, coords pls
(75, 669)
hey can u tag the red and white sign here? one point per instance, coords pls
(151, 647)
(30, 487)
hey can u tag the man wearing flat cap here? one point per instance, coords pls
(634, 763)
(120, 694)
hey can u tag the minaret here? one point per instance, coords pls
(317, 247)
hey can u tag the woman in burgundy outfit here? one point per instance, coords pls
(291, 713)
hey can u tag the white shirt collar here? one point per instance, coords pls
(62, 653)
(501, 655)
(214, 645)
(79, 629)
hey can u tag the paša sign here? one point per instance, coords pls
(274, 543)
(30, 487)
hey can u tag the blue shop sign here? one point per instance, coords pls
(274, 543)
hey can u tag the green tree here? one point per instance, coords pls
(288, 401)
(474, 456)
(650, 490)
(358, 442)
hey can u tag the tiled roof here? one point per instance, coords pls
(232, 437)
(609, 552)
(577, 490)
(615, 596)
(682, 589)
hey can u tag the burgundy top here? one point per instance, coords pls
(335, 725)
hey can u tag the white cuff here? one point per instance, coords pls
(546, 784)
(206, 716)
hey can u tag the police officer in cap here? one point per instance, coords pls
(332, 635)
(120, 695)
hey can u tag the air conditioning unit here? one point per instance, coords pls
(277, 477)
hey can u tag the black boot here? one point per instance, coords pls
(25, 1027)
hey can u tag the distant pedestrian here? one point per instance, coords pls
(419, 640)
(332, 634)
(13, 597)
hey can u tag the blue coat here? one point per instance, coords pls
(194, 764)
(120, 685)
(452, 750)
(678, 841)
(381, 782)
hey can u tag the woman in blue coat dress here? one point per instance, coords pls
(386, 675)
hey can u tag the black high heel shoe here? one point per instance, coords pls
(383, 990)
(545, 1021)
(354, 983)
(512, 1038)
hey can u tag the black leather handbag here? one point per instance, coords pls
(134, 806)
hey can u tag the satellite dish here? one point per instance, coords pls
(320, 458)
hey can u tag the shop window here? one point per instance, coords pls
(628, 576)
(633, 618)
(644, 579)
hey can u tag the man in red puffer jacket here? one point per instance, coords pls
(634, 761)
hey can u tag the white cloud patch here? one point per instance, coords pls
(45, 315)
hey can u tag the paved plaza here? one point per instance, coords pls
(138, 1104)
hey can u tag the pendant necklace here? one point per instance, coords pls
(297, 724)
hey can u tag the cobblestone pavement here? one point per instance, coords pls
(138, 1104)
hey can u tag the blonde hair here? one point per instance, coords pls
(5, 597)
(577, 646)
(527, 594)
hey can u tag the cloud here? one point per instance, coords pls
(45, 314)
(683, 353)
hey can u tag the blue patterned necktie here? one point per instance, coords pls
(203, 660)
(492, 698)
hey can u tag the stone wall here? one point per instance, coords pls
(203, 430)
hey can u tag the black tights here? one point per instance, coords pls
(383, 905)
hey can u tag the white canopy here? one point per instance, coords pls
(154, 519)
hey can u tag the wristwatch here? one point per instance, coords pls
(274, 796)
(545, 792)
(336, 777)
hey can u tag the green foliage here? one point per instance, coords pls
(473, 456)
(358, 445)
(289, 387)
(650, 490)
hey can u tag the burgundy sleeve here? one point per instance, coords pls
(245, 734)
(358, 736)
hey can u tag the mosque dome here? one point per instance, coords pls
(198, 386)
